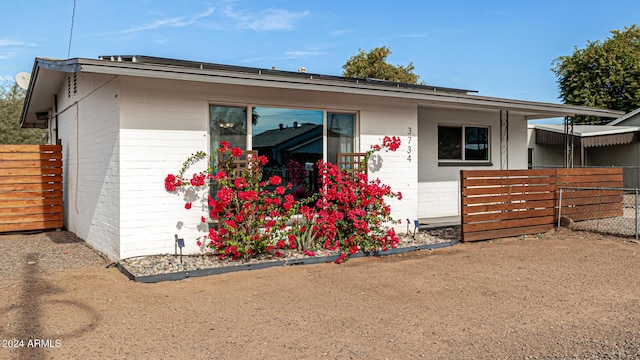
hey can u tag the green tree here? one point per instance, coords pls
(374, 65)
(11, 102)
(605, 74)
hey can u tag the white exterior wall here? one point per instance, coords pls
(161, 126)
(439, 186)
(88, 128)
(164, 122)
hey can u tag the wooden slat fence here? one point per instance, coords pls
(594, 199)
(30, 187)
(503, 203)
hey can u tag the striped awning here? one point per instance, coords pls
(544, 137)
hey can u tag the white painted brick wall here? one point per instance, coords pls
(93, 214)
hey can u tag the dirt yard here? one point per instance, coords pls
(565, 295)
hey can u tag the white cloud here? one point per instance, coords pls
(267, 20)
(340, 32)
(13, 42)
(299, 53)
(413, 35)
(179, 21)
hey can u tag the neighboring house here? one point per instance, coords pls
(126, 122)
(630, 119)
(591, 145)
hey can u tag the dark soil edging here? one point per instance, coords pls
(181, 275)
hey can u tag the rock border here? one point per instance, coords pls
(181, 275)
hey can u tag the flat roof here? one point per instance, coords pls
(48, 75)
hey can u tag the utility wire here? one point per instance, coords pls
(73, 17)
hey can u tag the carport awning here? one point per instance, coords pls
(544, 137)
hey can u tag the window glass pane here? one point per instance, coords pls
(227, 123)
(290, 139)
(449, 143)
(476, 143)
(340, 135)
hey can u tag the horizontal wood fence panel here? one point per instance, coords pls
(590, 179)
(508, 181)
(32, 202)
(494, 234)
(507, 198)
(45, 179)
(32, 225)
(589, 200)
(30, 210)
(4, 156)
(499, 203)
(506, 224)
(507, 215)
(588, 171)
(515, 189)
(17, 219)
(575, 194)
(468, 210)
(31, 163)
(27, 195)
(38, 149)
(30, 187)
(36, 171)
(497, 174)
(590, 184)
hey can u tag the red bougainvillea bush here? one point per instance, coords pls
(250, 216)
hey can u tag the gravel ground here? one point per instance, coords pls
(566, 295)
(170, 263)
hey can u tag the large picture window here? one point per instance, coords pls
(463, 143)
(289, 138)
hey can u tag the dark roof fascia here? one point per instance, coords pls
(538, 110)
(306, 81)
(143, 59)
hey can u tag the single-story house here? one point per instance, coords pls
(125, 122)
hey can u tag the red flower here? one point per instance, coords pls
(224, 146)
(231, 223)
(263, 160)
(221, 175)
(275, 180)
(236, 152)
(280, 190)
(187, 206)
(202, 219)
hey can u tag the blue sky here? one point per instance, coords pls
(499, 48)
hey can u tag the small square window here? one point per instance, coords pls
(473, 139)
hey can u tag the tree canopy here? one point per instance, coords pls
(374, 65)
(605, 74)
(11, 101)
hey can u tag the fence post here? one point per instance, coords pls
(559, 207)
(599, 211)
(636, 208)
